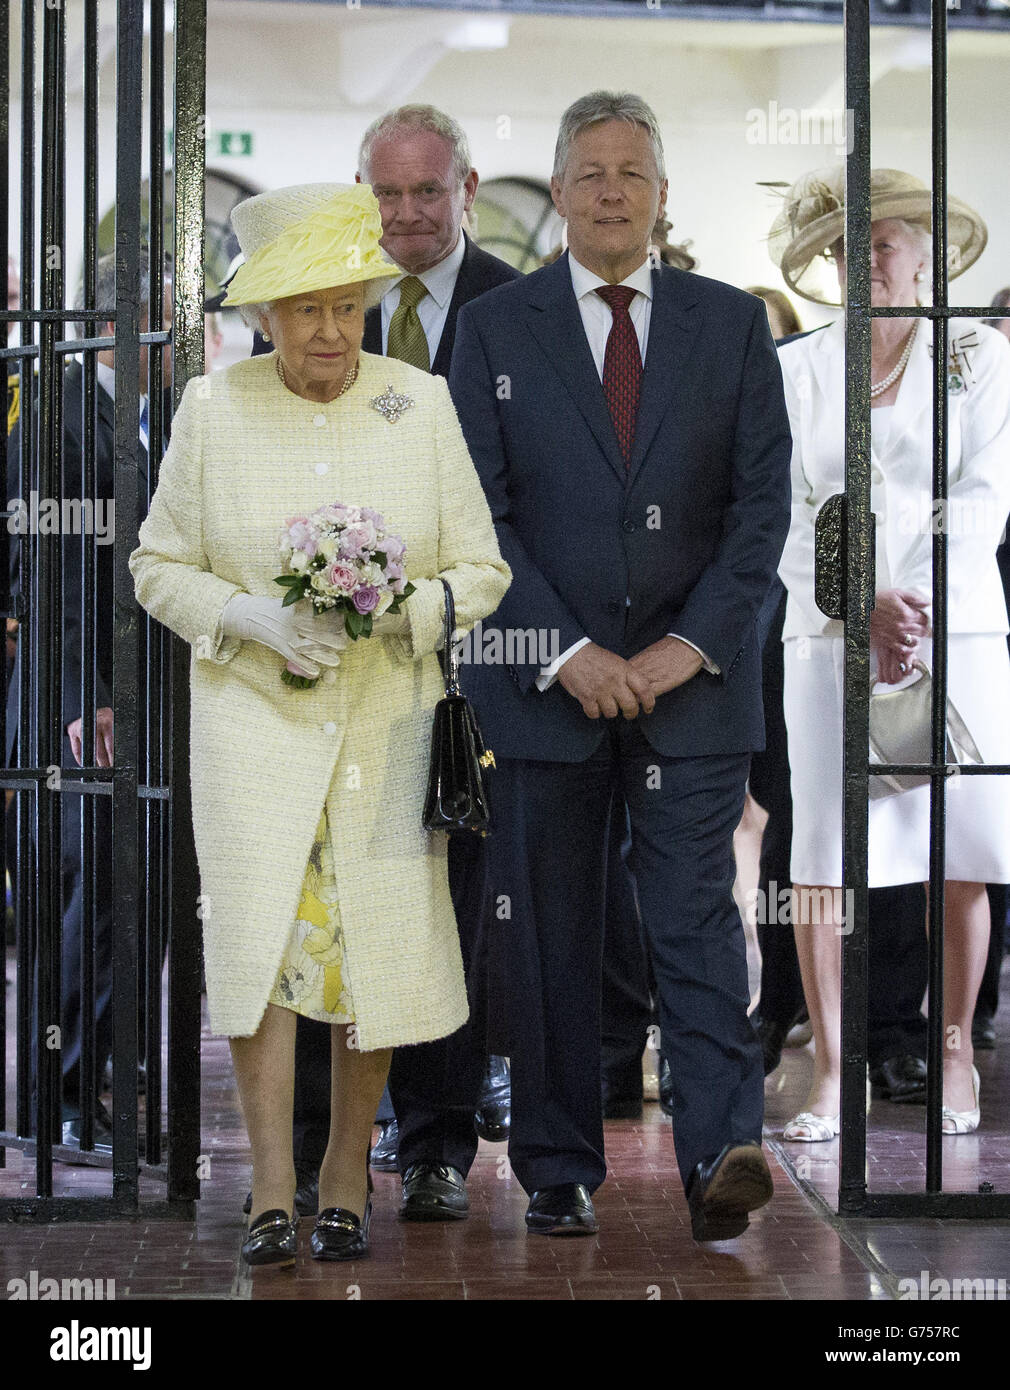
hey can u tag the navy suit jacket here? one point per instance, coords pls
(685, 540)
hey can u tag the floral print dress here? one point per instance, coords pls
(312, 979)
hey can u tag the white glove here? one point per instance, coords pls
(292, 634)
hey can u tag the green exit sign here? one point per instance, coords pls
(229, 142)
(221, 142)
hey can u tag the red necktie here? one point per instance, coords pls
(622, 366)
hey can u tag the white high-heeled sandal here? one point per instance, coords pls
(808, 1128)
(964, 1121)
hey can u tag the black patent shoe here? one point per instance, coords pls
(382, 1156)
(339, 1235)
(272, 1240)
(493, 1116)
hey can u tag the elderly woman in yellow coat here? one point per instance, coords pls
(322, 892)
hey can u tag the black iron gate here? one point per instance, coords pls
(856, 587)
(106, 848)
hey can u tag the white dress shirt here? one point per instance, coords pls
(106, 377)
(597, 320)
(433, 309)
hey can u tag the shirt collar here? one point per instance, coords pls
(106, 376)
(440, 280)
(584, 281)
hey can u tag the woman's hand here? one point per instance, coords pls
(897, 625)
(390, 624)
(305, 641)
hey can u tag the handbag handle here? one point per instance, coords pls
(450, 657)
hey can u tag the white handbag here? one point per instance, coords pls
(900, 733)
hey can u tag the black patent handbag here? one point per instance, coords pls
(457, 795)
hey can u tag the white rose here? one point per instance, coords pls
(385, 600)
(327, 547)
(299, 562)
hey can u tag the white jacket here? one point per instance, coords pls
(901, 491)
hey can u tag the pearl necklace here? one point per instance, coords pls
(349, 380)
(888, 381)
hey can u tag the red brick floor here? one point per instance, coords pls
(795, 1249)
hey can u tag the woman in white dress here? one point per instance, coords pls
(977, 847)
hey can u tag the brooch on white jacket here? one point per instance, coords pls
(959, 362)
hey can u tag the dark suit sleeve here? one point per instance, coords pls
(75, 647)
(721, 609)
(531, 602)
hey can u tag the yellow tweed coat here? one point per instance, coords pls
(245, 454)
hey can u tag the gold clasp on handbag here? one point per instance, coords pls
(486, 759)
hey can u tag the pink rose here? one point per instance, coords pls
(366, 598)
(301, 535)
(342, 577)
(394, 548)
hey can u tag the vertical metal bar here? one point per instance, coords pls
(5, 39)
(50, 591)
(152, 644)
(858, 603)
(184, 960)
(26, 909)
(938, 742)
(89, 405)
(129, 93)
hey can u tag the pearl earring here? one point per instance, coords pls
(265, 336)
(920, 275)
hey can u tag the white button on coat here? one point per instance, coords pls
(319, 420)
(329, 727)
(322, 468)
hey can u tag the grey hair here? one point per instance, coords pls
(415, 118)
(105, 294)
(606, 106)
(250, 313)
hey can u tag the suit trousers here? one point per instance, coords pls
(435, 1087)
(72, 1002)
(547, 866)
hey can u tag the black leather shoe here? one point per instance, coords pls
(901, 1080)
(71, 1130)
(433, 1192)
(665, 1088)
(272, 1240)
(383, 1158)
(493, 1115)
(306, 1193)
(983, 1033)
(723, 1190)
(772, 1036)
(339, 1235)
(565, 1210)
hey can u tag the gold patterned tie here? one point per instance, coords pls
(406, 338)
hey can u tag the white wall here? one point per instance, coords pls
(306, 79)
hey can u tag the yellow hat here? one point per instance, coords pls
(813, 218)
(310, 236)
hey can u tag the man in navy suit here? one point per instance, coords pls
(628, 424)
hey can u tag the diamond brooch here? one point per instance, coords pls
(391, 404)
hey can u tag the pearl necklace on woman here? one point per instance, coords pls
(888, 381)
(349, 380)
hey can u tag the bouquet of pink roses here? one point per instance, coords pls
(342, 557)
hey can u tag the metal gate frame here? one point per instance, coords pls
(154, 863)
(857, 586)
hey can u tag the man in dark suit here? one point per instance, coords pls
(417, 161)
(628, 424)
(98, 514)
